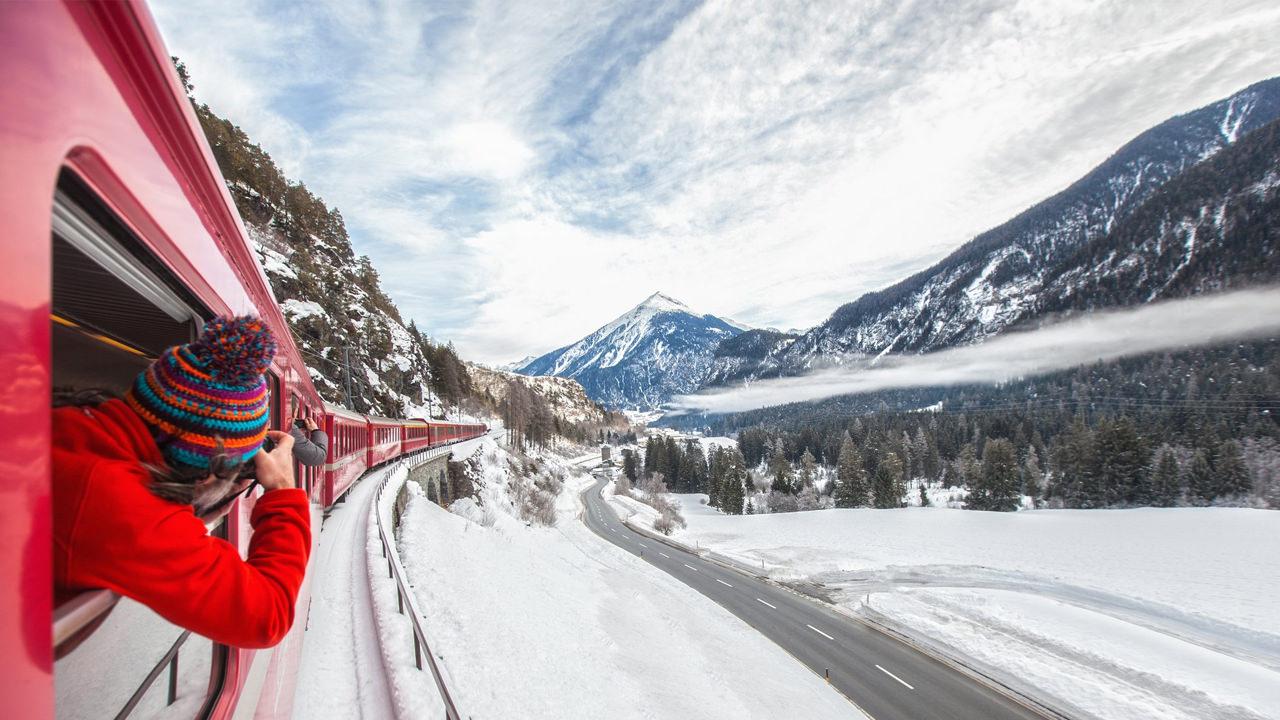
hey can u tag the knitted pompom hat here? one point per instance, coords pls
(209, 393)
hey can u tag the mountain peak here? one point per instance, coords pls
(639, 360)
(663, 303)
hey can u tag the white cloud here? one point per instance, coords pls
(762, 160)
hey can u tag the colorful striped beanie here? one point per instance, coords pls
(209, 393)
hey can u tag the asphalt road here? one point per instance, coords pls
(884, 677)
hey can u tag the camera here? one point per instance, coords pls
(300, 423)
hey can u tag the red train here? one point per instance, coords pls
(120, 239)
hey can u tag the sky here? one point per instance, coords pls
(522, 173)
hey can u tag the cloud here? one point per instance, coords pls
(1177, 324)
(766, 161)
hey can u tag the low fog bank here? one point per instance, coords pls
(1099, 336)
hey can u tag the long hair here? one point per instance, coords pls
(201, 488)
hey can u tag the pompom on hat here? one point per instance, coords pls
(209, 397)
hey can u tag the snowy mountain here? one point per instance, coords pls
(657, 349)
(514, 366)
(737, 357)
(1021, 269)
(565, 397)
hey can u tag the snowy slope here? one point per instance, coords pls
(655, 350)
(1008, 274)
(1181, 623)
(537, 622)
(567, 398)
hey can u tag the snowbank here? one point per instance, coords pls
(1122, 613)
(553, 622)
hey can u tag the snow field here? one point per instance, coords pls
(553, 622)
(1115, 613)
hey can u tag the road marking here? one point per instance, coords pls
(826, 636)
(643, 545)
(723, 582)
(895, 677)
(612, 530)
(690, 567)
(664, 555)
(775, 607)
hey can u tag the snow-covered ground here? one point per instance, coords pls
(553, 622)
(342, 674)
(1143, 613)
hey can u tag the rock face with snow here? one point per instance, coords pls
(737, 357)
(1039, 260)
(566, 397)
(655, 350)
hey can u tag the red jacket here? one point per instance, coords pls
(110, 532)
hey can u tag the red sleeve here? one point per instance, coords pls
(161, 555)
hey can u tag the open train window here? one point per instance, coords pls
(114, 308)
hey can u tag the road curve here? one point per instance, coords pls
(886, 678)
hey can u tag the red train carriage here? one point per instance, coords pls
(416, 435)
(119, 240)
(384, 440)
(348, 451)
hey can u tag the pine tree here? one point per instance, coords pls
(808, 469)
(733, 489)
(1202, 488)
(888, 481)
(629, 464)
(780, 469)
(1032, 477)
(998, 488)
(924, 494)
(715, 475)
(1121, 463)
(751, 510)
(1230, 470)
(851, 477)
(968, 469)
(1165, 484)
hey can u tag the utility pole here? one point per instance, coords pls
(346, 375)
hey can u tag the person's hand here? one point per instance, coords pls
(311, 424)
(275, 468)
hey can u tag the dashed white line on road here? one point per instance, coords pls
(643, 545)
(664, 555)
(723, 582)
(690, 567)
(775, 607)
(895, 677)
(612, 530)
(820, 632)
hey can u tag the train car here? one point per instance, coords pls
(120, 239)
(443, 433)
(384, 440)
(348, 451)
(415, 435)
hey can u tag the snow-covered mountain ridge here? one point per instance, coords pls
(566, 397)
(1022, 269)
(639, 360)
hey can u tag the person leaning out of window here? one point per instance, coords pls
(137, 479)
(310, 443)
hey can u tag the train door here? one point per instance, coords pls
(115, 308)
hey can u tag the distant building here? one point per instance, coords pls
(606, 454)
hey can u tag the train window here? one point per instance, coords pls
(115, 308)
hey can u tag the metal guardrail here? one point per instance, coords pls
(404, 596)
